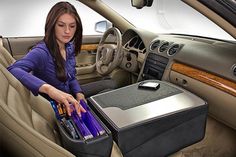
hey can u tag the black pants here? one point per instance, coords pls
(100, 86)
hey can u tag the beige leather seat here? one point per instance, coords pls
(5, 57)
(27, 123)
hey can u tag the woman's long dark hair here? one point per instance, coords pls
(50, 38)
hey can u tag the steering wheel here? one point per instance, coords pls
(108, 56)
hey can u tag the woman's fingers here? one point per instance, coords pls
(66, 99)
(77, 106)
(68, 102)
(68, 108)
(82, 109)
(79, 109)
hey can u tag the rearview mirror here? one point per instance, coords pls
(102, 26)
(141, 3)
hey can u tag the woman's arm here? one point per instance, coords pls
(76, 89)
(21, 69)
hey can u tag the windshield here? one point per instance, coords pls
(169, 16)
(27, 17)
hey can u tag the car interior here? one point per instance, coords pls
(205, 67)
(24, 123)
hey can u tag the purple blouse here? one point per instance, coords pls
(37, 68)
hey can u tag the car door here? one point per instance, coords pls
(85, 66)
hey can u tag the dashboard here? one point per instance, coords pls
(151, 56)
(134, 51)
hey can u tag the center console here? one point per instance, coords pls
(154, 67)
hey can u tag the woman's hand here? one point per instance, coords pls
(62, 98)
(80, 96)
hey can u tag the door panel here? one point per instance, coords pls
(221, 122)
(218, 92)
(19, 46)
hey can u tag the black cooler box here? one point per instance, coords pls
(152, 122)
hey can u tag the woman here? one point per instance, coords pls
(49, 68)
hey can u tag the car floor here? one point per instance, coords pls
(219, 141)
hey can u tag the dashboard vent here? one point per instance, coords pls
(164, 46)
(173, 49)
(234, 69)
(155, 44)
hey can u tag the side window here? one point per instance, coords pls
(27, 18)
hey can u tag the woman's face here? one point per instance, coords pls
(65, 28)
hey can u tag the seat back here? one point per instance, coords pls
(27, 123)
(5, 57)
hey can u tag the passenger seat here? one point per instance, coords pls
(5, 57)
(27, 123)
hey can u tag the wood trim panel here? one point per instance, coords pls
(89, 47)
(205, 77)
